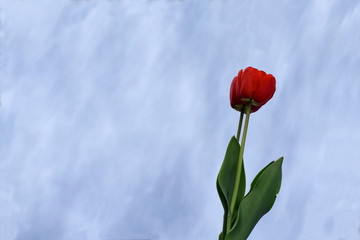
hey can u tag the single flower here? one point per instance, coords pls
(251, 85)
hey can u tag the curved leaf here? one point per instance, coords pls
(226, 180)
(258, 201)
(221, 236)
(224, 203)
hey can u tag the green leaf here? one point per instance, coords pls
(224, 203)
(226, 180)
(258, 201)
(258, 175)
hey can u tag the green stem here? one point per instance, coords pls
(239, 169)
(240, 125)
(228, 222)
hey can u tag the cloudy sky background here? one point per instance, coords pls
(115, 116)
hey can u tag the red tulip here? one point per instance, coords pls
(251, 85)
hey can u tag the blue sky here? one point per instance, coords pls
(115, 116)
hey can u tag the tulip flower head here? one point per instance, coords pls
(251, 86)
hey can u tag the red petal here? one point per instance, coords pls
(255, 108)
(249, 82)
(266, 88)
(234, 93)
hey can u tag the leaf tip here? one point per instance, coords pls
(280, 160)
